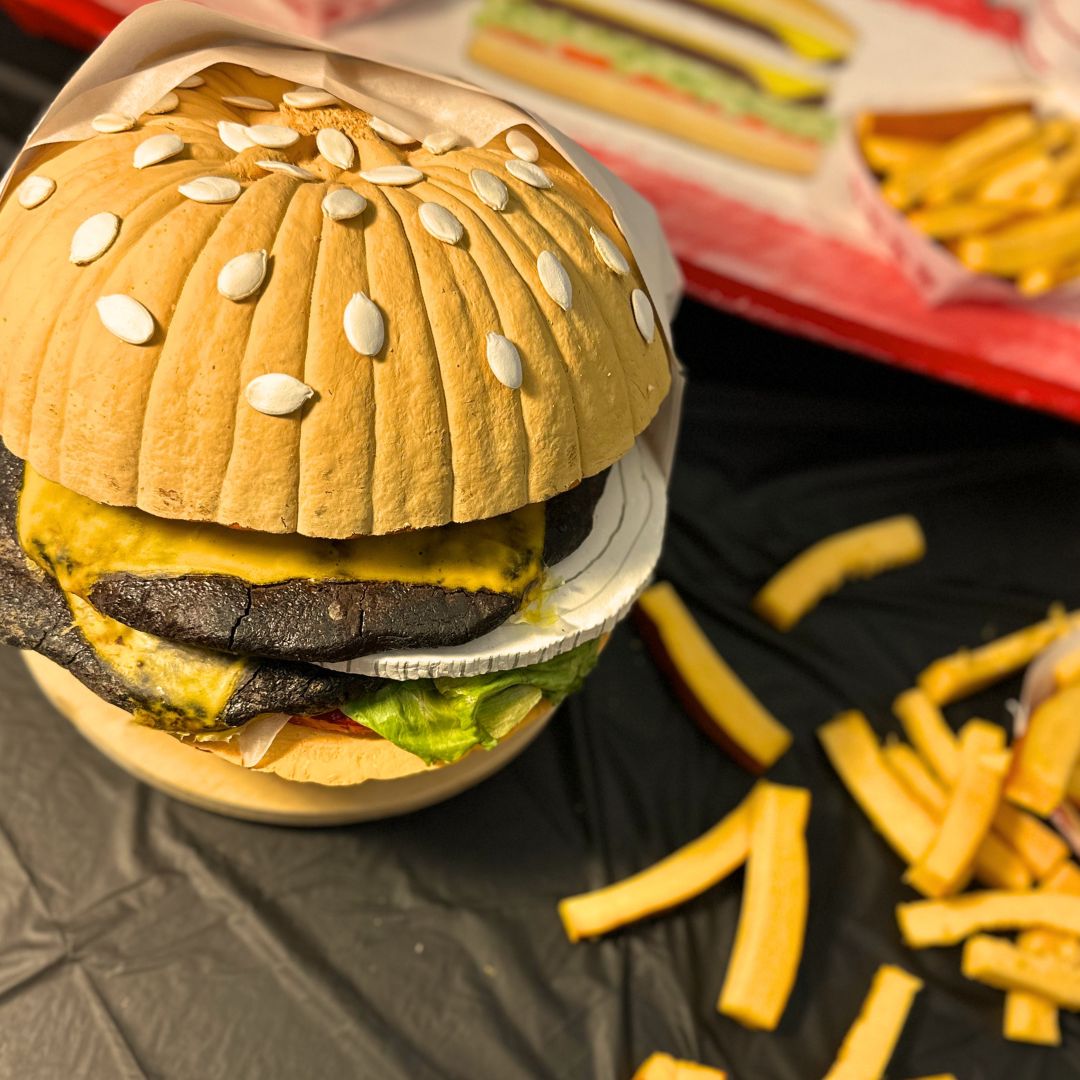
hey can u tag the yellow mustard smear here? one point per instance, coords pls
(183, 687)
(80, 541)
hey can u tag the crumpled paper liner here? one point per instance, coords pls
(161, 44)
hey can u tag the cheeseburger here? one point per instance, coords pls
(285, 387)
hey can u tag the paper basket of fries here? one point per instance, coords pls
(979, 204)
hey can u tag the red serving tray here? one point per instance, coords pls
(807, 283)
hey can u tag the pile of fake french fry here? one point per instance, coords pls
(956, 807)
(998, 186)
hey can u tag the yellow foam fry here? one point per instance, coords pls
(930, 923)
(683, 874)
(869, 1043)
(999, 963)
(964, 672)
(772, 920)
(850, 744)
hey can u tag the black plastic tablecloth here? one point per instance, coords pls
(142, 938)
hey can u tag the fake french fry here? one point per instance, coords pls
(683, 874)
(1047, 754)
(925, 726)
(871, 1040)
(665, 1067)
(1073, 791)
(928, 923)
(1041, 279)
(1040, 847)
(1009, 181)
(1030, 1017)
(997, 866)
(1049, 238)
(823, 567)
(1013, 171)
(947, 864)
(999, 963)
(887, 153)
(1010, 177)
(1067, 669)
(959, 158)
(964, 672)
(772, 920)
(850, 744)
(911, 771)
(936, 127)
(950, 220)
(714, 696)
(1053, 188)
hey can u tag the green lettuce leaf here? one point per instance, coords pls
(440, 720)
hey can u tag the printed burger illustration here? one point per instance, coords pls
(309, 423)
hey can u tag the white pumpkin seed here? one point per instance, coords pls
(309, 97)
(387, 131)
(191, 83)
(156, 149)
(555, 279)
(212, 189)
(528, 173)
(234, 135)
(125, 317)
(297, 171)
(336, 147)
(609, 254)
(272, 136)
(343, 204)
(491, 190)
(441, 223)
(521, 146)
(165, 104)
(438, 142)
(112, 123)
(364, 325)
(393, 175)
(94, 237)
(256, 104)
(242, 276)
(504, 360)
(34, 190)
(644, 315)
(276, 394)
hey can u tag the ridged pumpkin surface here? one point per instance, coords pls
(421, 433)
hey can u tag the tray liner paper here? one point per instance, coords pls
(142, 938)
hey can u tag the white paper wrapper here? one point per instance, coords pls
(160, 45)
(935, 272)
(1037, 686)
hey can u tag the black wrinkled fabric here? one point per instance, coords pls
(142, 938)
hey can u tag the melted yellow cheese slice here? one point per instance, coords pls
(184, 688)
(80, 541)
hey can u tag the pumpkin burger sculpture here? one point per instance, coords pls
(284, 387)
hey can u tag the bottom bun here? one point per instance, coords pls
(308, 777)
(608, 92)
